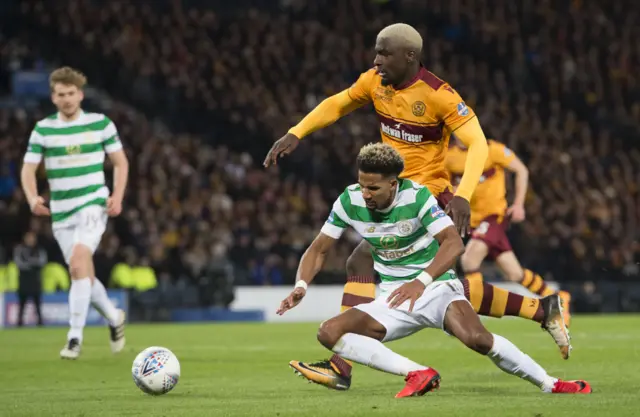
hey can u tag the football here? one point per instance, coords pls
(156, 370)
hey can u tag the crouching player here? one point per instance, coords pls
(414, 246)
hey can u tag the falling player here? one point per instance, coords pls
(73, 144)
(490, 216)
(414, 247)
(417, 113)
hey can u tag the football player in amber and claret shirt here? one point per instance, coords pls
(417, 113)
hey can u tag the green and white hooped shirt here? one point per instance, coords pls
(74, 154)
(401, 236)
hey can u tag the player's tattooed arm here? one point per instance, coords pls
(310, 264)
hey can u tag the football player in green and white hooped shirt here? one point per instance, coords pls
(414, 247)
(73, 145)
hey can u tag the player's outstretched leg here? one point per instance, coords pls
(461, 321)
(511, 268)
(116, 317)
(360, 288)
(356, 336)
(489, 300)
(80, 268)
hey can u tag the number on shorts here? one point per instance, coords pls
(91, 220)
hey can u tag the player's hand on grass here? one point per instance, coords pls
(291, 301)
(460, 212)
(516, 213)
(283, 146)
(114, 206)
(411, 290)
(38, 207)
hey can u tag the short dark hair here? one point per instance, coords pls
(380, 158)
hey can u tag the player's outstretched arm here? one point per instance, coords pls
(120, 177)
(325, 114)
(30, 189)
(310, 264)
(451, 246)
(472, 136)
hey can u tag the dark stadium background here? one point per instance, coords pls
(200, 89)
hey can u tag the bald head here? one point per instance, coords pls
(403, 36)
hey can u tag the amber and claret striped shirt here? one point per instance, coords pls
(416, 118)
(490, 196)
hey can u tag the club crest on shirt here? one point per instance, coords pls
(405, 228)
(418, 108)
(463, 110)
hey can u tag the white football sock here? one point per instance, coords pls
(370, 352)
(100, 300)
(513, 361)
(79, 299)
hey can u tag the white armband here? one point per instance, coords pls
(425, 278)
(301, 284)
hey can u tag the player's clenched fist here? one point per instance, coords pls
(283, 146)
(516, 213)
(38, 207)
(114, 206)
(292, 300)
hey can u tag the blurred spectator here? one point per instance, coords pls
(30, 258)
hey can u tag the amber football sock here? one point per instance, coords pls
(534, 283)
(488, 300)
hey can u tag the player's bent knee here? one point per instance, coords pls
(469, 262)
(329, 333)
(474, 254)
(77, 269)
(80, 262)
(510, 266)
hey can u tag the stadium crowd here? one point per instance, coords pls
(556, 81)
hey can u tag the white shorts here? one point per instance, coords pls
(85, 227)
(428, 311)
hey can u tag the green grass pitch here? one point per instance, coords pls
(241, 370)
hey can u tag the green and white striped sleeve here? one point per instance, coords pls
(432, 217)
(110, 138)
(337, 222)
(35, 148)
